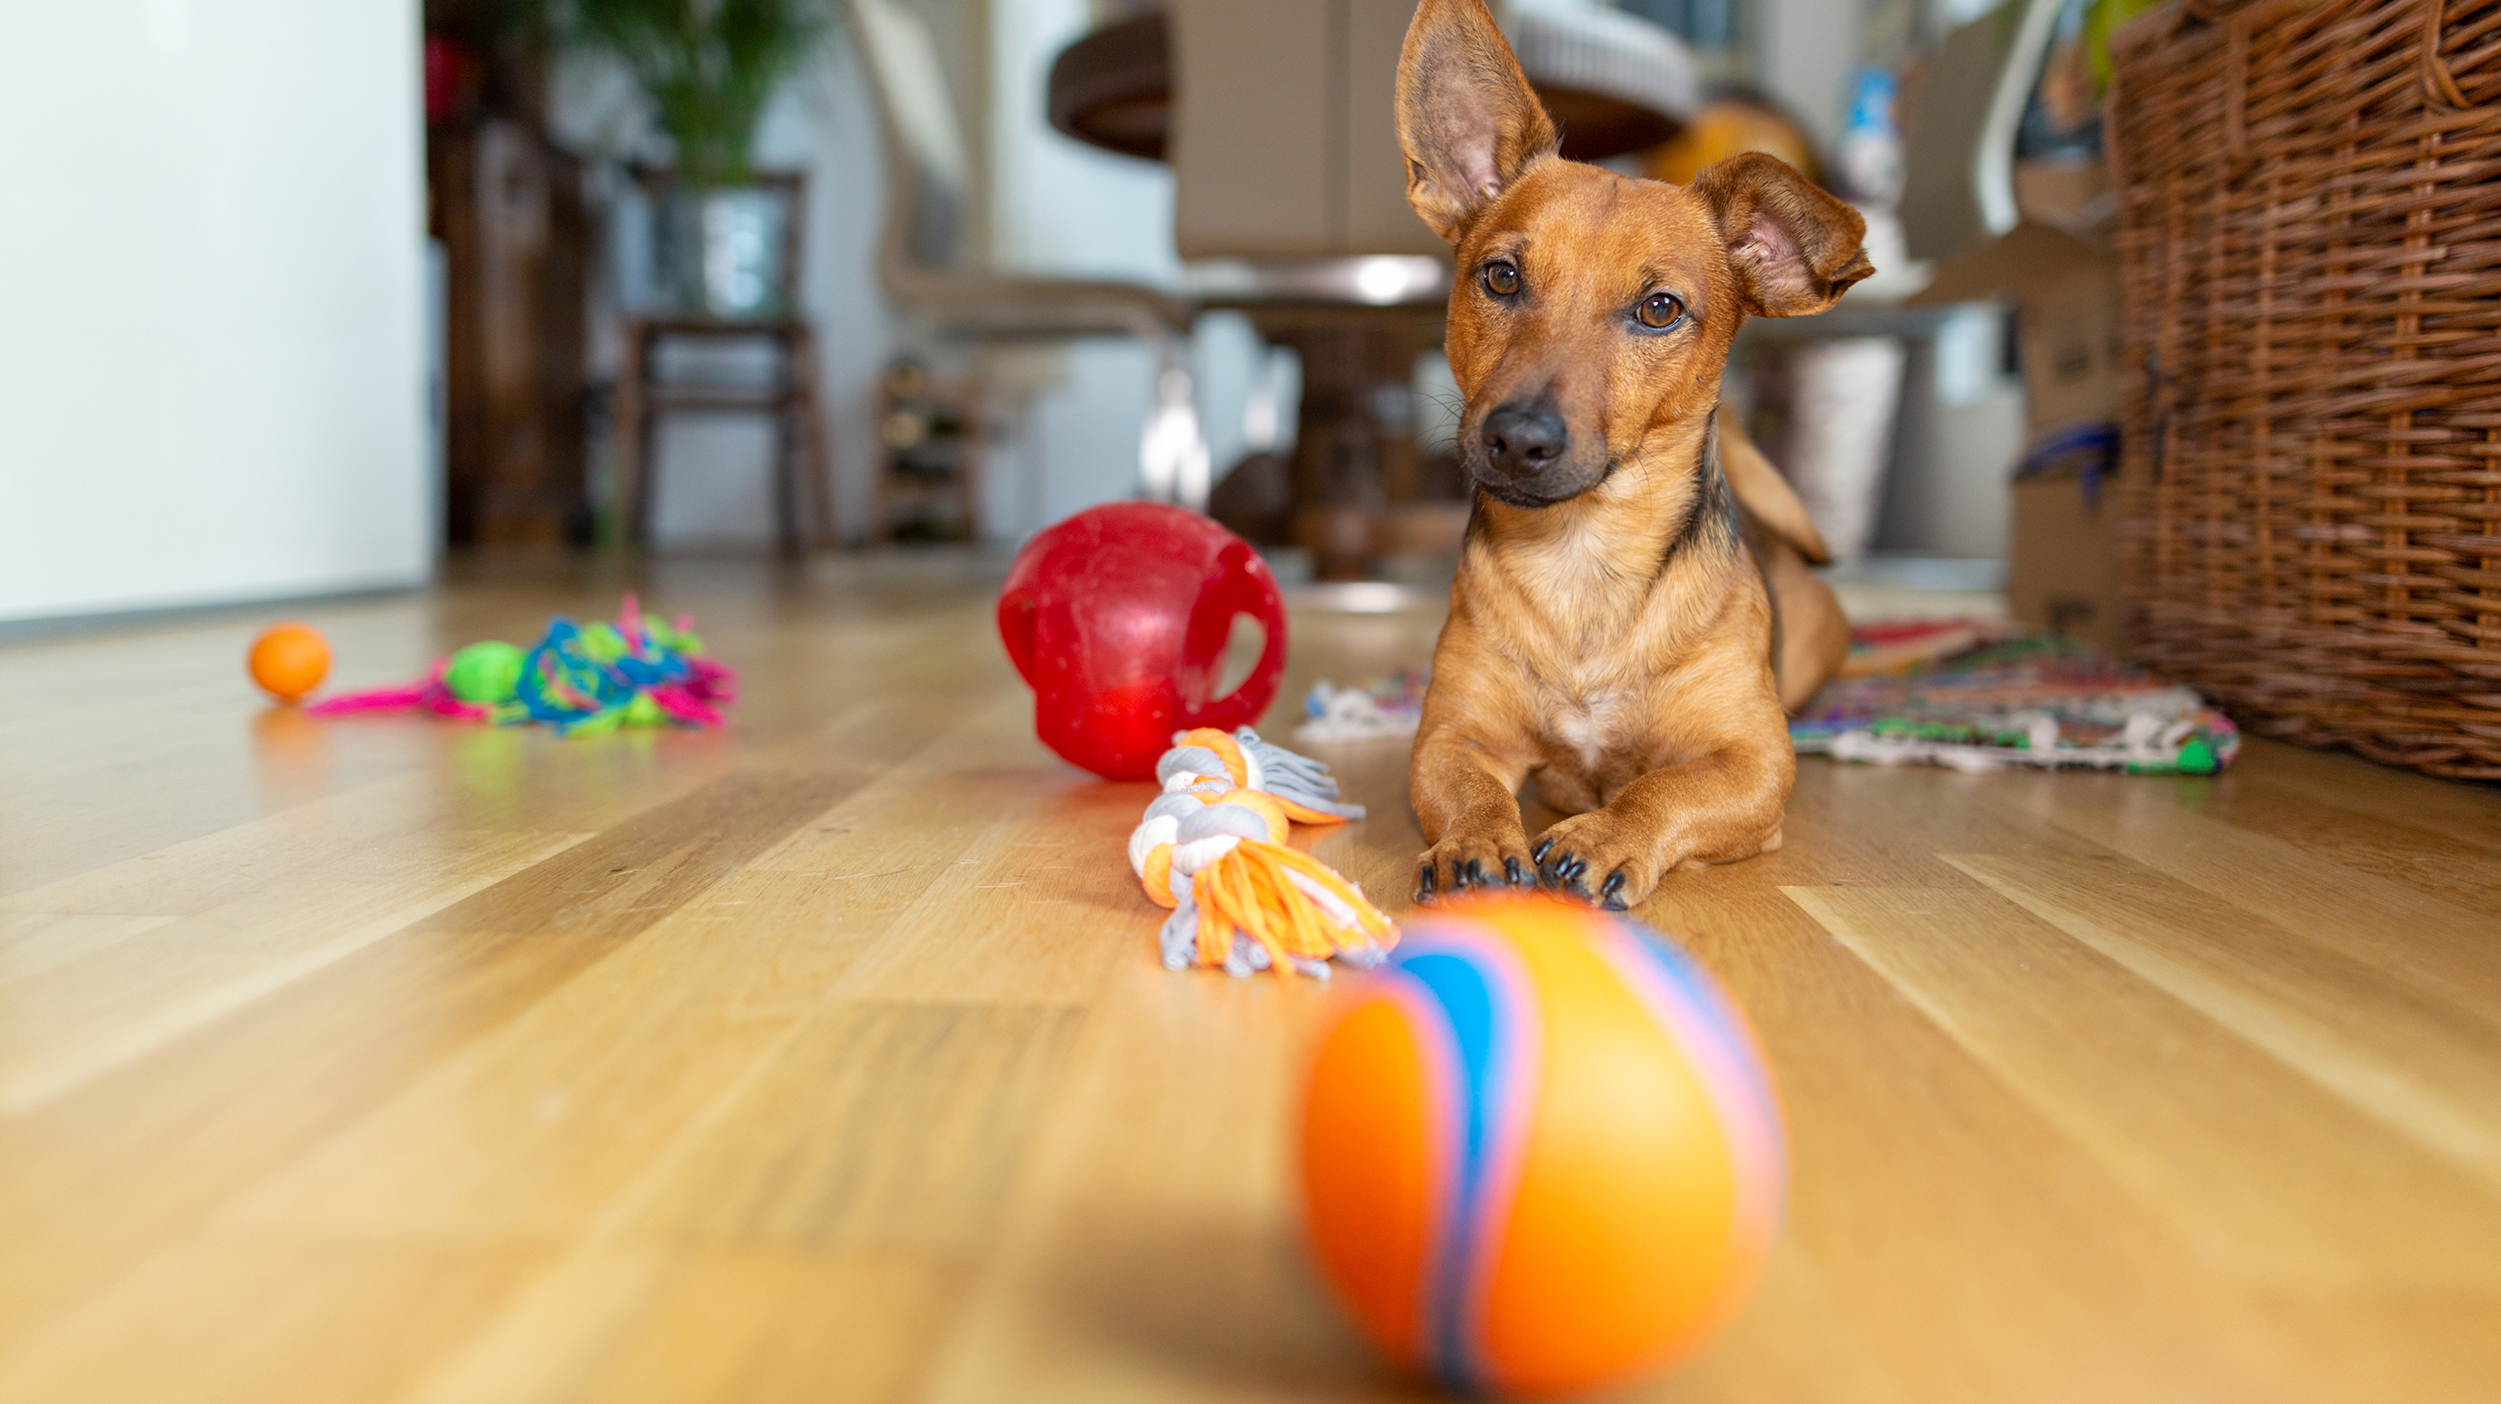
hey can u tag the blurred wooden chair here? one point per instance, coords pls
(931, 269)
(758, 306)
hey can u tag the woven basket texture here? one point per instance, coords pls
(2310, 243)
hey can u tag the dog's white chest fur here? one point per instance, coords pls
(1590, 721)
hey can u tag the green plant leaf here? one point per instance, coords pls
(708, 67)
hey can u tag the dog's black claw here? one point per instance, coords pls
(1611, 895)
(1571, 868)
(1511, 872)
(1538, 854)
(1424, 883)
(1476, 872)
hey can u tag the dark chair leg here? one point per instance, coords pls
(815, 478)
(635, 466)
(785, 458)
(646, 436)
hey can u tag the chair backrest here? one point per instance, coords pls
(1284, 139)
(929, 165)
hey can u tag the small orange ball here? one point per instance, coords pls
(289, 660)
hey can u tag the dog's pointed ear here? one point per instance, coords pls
(1467, 118)
(1795, 248)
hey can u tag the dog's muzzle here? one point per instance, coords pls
(1522, 455)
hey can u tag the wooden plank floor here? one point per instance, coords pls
(827, 1058)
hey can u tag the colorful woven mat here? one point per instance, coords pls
(1898, 645)
(2045, 702)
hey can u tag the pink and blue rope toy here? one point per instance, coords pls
(580, 679)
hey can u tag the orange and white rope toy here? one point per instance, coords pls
(1212, 848)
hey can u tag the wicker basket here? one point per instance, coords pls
(2310, 232)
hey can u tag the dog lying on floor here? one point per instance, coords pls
(1633, 611)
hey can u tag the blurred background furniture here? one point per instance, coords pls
(1278, 120)
(517, 237)
(756, 308)
(1607, 77)
(929, 266)
(1900, 414)
(933, 434)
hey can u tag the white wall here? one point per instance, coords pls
(211, 342)
(836, 133)
(1060, 208)
(1961, 430)
(1803, 52)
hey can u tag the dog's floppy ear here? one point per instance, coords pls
(1467, 118)
(1794, 247)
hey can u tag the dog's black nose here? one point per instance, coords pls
(1521, 441)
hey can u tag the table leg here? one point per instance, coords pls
(1354, 446)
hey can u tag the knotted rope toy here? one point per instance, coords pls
(1212, 848)
(580, 679)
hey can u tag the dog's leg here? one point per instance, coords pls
(1716, 808)
(1466, 796)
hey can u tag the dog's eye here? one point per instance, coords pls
(1659, 310)
(1501, 277)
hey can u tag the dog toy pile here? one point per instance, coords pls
(1212, 848)
(1383, 708)
(580, 679)
(2042, 702)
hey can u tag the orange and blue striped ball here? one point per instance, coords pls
(1540, 1150)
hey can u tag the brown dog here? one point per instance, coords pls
(1633, 607)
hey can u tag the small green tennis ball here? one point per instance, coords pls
(488, 672)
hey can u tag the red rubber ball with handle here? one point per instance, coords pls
(1118, 619)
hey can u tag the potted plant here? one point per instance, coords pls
(707, 68)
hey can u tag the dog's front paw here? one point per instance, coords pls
(1598, 857)
(1467, 862)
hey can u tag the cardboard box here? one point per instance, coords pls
(2065, 287)
(2062, 558)
(2062, 566)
